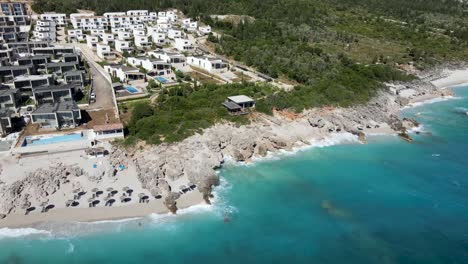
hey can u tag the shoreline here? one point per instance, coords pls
(215, 160)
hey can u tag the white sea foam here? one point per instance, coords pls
(112, 221)
(431, 101)
(22, 232)
(71, 248)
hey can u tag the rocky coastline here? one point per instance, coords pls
(196, 159)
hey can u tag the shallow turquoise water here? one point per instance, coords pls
(384, 202)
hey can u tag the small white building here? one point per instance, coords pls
(137, 12)
(139, 32)
(182, 44)
(91, 41)
(159, 38)
(124, 35)
(122, 45)
(88, 21)
(124, 73)
(172, 15)
(142, 42)
(204, 30)
(154, 67)
(45, 35)
(208, 63)
(174, 33)
(59, 19)
(75, 35)
(97, 31)
(108, 131)
(104, 52)
(107, 38)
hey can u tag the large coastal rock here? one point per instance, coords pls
(36, 187)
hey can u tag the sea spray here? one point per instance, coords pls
(23, 232)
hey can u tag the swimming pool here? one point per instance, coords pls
(131, 89)
(161, 79)
(52, 139)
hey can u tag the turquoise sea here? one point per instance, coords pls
(383, 202)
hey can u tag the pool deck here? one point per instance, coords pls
(64, 146)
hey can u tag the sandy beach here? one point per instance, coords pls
(195, 160)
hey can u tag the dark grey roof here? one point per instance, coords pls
(73, 73)
(34, 57)
(231, 106)
(54, 87)
(50, 108)
(5, 92)
(14, 67)
(60, 64)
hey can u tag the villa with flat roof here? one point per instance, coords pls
(53, 93)
(57, 115)
(239, 104)
(26, 83)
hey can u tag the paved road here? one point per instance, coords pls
(101, 85)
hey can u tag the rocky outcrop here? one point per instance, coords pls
(38, 185)
(197, 157)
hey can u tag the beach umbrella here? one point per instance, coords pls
(81, 193)
(114, 192)
(96, 202)
(69, 202)
(2, 216)
(111, 201)
(50, 206)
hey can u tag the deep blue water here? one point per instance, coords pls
(384, 202)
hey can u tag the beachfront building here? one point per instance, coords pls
(104, 52)
(124, 73)
(183, 45)
(239, 104)
(108, 131)
(59, 19)
(57, 115)
(53, 93)
(208, 63)
(154, 67)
